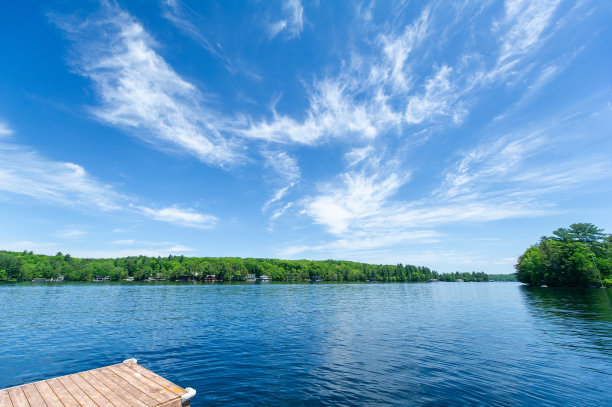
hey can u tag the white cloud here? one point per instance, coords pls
(501, 178)
(5, 130)
(397, 49)
(182, 16)
(25, 172)
(283, 164)
(292, 22)
(281, 211)
(287, 173)
(439, 99)
(526, 21)
(350, 206)
(523, 30)
(71, 233)
(357, 155)
(180, 249)
(123, 242)
(333, 112)
(179, 216)
(140, 92)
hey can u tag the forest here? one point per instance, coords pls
(578, 256)
(26, 266)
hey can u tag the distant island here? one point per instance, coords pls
(579, 256)
(27, 266)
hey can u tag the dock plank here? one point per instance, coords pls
(157, 379)
(117, 398)
(62, 393)
(5, 399)
(91, 392)
(79, 395)
(18, 397)
(136, 392)
(50, 398)
(33, 396)
(172, 403)
(137, 380)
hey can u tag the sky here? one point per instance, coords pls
(446, 134)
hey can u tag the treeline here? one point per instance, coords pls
(473, 276)
(502, 277)
(26, 266)
(579, 256)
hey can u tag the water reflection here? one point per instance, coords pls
(573, 317)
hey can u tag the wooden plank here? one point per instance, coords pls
(112, 398)
(18, 397)
(97, 379)
(136, 392)
(79, 395)
(33, 395)
(50, 398)
(88, 389)
(157, 379)
(5, 399)
(137, 380)
(63, 394)
(173, 403)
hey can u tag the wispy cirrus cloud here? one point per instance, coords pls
(292, 22)
(438, 99)
(25, 172)
(501, 178)
(183, 17)
(70, 233)
(333, 113)
(525, 23)
(139, 91)
(179, 216)
(386, 88)
(286, 175)
(396, 49)
(5, 130)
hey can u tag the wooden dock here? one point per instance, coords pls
(126, 384)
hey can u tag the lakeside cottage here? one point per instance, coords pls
(100, 279)
(210, 278)
(251, 277)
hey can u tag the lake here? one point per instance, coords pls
(322, 344)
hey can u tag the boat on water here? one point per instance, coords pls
(263, 279)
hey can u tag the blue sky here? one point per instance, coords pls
(446, 134)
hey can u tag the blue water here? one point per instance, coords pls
(322, 344)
